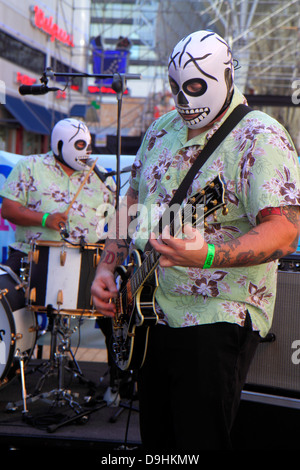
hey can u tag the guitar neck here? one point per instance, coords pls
(144, 271)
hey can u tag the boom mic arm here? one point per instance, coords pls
(101, 175)
(104, 175)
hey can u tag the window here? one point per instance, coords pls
(19, 53)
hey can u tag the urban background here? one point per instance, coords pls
(135, 37)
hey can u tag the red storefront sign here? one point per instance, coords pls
(44, 23)
(24, 79)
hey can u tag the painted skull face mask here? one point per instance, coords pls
(201, 77)
(71, 143)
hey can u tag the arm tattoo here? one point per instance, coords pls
(227, 258)
(116, 245)
(226, 254)
(115, 251)
(290, 212)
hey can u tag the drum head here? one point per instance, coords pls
(18, 330)
(6, 333)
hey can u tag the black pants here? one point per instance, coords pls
(190, 385)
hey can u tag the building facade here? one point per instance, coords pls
(35, 36)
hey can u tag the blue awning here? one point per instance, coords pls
(25, 116)
(41, 113)
(78, 110)
(48, 117)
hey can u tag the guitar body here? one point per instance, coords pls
(135, 314)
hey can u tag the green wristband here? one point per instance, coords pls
(210, 256)
(44, 219)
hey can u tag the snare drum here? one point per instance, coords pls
(18, 329)
(61, 276)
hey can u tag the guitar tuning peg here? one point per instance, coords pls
(214, 202)
(225, 210)
(202, 192)
(215, 216)
(211, 185)
(205, 224)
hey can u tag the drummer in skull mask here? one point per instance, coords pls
(40, 188)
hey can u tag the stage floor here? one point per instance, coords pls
(45, 426)
(43, 422)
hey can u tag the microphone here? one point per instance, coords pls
(35, 89)
(102, 176)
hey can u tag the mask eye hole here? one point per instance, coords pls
(195, 87)
(80, 144)
(174, 86)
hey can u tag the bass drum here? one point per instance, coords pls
(18, 328)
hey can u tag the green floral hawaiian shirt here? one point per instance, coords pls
(259, 165)
(40, 183)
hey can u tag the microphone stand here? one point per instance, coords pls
(118, 87)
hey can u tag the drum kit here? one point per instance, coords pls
(52, 288)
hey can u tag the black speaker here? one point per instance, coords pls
(276, 364)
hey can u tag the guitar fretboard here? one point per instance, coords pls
(144, 271)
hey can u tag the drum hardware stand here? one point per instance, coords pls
(59, 395)
(60, 359)
(11, 406)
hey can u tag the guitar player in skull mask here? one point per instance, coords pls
(216, 289)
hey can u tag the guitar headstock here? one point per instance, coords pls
(209, 199)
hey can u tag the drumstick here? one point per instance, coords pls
(81, 186)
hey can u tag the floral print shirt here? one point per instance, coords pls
(259, 166)
(40, 183)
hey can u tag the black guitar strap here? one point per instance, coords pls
(228, 125)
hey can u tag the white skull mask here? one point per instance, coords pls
(201, 77)
(71, 143)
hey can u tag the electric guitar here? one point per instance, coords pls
(137, 283)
